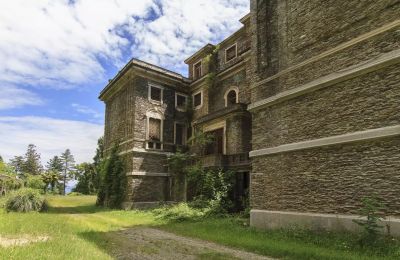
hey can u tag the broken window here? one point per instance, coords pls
(230, 53)
(197, 70)
(197, 100)
(155, 93)
(154, 133)
(180, 101)
(180, 134)
(231, 98)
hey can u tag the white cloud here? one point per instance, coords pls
(51, 136)
(87, 111)
(183, 28)
(14, 97)
(59, 43)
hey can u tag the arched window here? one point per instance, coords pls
(231, 96)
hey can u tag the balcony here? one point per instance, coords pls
(226, 161)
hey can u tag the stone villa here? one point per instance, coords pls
(303, 102)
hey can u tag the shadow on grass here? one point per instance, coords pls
(84, 209)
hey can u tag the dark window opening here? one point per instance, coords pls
(155, 94)
(181, 101)
(230, 53)
(231, 98)
(197, 70)
(179, 134)
(217, 144)
(197, 100)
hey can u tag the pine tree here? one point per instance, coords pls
(32, 163)
(68, 167)
(54, 172)
(18, 163)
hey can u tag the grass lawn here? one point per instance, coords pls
(78, 230)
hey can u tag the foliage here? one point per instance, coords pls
(32, 164)
(112, 189)
(212, 61)
(18, 164)
(199, 141)
(50, 178)
(25, 200)
(74, 193)
(179, 212)
(211, 188)
(87, 179)
(178, 162)
(68, 167)
(371, 211)
(35, 182)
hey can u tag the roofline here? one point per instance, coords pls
(245, 18)
(143, 65)
(208, 45)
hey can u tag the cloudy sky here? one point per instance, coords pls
(57, 55)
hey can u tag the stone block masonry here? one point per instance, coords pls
(325, 124)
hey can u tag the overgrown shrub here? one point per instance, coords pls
(372, 212)
(113, 182)
(25, 200)
(179, 212)
(35, 182)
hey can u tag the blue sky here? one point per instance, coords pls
(57, 55)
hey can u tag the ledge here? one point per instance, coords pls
(380, 62)
(239, 107)
(333, 140)
(150, 174)
(332, 51)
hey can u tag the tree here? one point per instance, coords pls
(51, 177)
(112, 190)
(68, 164)
(18, 163)
(1, 159)
(55, 164)
(32, 163)
(87, 178)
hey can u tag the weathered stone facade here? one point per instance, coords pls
(327, 75)
(129, 106)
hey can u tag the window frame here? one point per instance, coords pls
(236, 89)
(194, 71)
(176, 102)
(236, 52)
(184, 132)
(161, 132)
(201, 99)
(150, 86)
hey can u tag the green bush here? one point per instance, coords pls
(25, 200)
(74, 193)
(179, 212)
(35, 182)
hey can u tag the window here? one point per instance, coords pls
(154, 133)
(231, 98)
(231, 53)
(197, 100)
(180, 134)
(180, 102)
(155, 94)
(197, 70)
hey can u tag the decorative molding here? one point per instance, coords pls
(380, 62)
(333, 140)
(152, 174)
(141, 150)
(334, 50)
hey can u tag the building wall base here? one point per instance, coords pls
(265, 219)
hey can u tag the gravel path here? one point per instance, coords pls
(149, 243)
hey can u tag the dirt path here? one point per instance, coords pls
(149, 243)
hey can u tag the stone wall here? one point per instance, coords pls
(300, 43)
